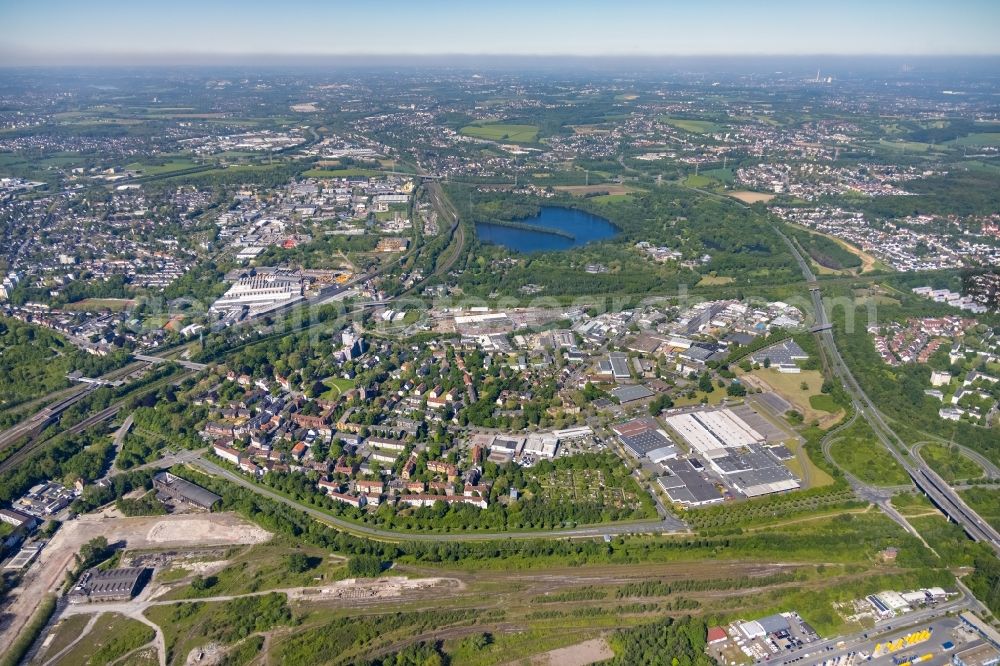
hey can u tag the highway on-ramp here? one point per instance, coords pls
(937, 490)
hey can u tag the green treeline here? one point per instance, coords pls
(845, 538)
(667, 642)
(657, 588)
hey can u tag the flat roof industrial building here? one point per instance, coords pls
(782, 354)
(631, 393)
(642, 436)
(686, 486)
(113, 585)
(755, 472)
(181, 489)
(711, 433)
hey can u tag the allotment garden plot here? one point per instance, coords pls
(588, 485)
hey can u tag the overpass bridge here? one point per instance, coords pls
(156, 360)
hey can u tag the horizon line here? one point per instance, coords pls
(71, 56)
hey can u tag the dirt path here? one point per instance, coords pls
(47, 573)
(807, 519)
(83, 633)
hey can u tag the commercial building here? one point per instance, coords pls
(627, 394)
(772, 624)
(782, 356)
(973, 622)
(983, 654)
(543, 445)
(711, 433)
(754, 472)
(260, 291)
(642, 437)
(685, 486)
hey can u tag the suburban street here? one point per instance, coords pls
(666, 525)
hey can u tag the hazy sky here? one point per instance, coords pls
(58, 30)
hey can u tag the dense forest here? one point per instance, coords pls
(34, 362)
(668, 642)
(825, 251)
(716, 237)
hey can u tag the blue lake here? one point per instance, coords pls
(584, 227)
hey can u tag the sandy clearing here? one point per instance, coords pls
(581, 654)
(48, 572)
(750, 197)
(205, 531)
(376, 588)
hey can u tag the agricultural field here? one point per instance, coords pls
(748, 197)
(502, 132)
(715, 280)
(160, 169)
(608, 189)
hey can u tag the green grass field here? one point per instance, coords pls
(158, 169)
(951, 465)
(91, 304)
(725, 175)
(698, 181)
(112, 637)
(860, 453)
(905, 146)
(823, 402)
(610, 198)
(258, 568)
(978, 139)
(337, 386)
(693, 126)
(502, 132)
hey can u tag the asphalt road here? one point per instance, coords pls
(945, 497)
(665, 525)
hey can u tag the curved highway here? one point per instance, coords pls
(940, 493)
